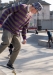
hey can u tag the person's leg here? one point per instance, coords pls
(6, 39)
(10, 48)
(49, 42)
(10, 51)
(17, 46)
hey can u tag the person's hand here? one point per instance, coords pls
(0, 25)
(24, 41)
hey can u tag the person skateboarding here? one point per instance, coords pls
(12, 20)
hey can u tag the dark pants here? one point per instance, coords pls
(50, 39)
(10, 50)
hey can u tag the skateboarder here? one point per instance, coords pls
(12, 20)
(49, 37)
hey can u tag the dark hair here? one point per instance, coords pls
(46, 29)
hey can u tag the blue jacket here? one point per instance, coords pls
(49, 34)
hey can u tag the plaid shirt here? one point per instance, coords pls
(15, 18)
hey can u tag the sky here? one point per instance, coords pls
(6, 0)
(49, 1)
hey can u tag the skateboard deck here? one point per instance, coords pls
(11, 70)
(6, 69)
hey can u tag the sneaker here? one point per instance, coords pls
(10, 66)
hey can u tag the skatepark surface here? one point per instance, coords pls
(32, 59)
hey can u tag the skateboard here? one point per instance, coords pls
(12, 70)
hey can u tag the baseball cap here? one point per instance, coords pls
(37, 6)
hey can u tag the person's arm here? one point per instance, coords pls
(7, 12)
(24, 33)
(0, 25)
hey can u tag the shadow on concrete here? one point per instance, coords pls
(38, 57)
(33, 39)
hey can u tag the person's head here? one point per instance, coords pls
(35, 7)
(45, 29)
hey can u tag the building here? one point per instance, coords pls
(51, 14)
(38, 20)
(0, 1)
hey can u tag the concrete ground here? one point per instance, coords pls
(32, 59)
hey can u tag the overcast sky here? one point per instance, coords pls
(6, 1)
(49, 1)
